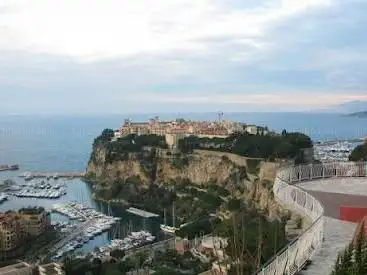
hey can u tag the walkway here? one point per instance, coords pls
(332, 193)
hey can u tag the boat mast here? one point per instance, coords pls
(173, 214)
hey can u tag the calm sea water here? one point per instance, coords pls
(64, 144)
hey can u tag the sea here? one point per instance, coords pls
(64, 143)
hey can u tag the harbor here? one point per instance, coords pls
(93, 223)
(75, 213)
(50, 189)
(335, 150)
(133, 240)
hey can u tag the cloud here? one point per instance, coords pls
(122, 56)
(91, 30)
(289, 101)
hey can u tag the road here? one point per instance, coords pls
(332, 193)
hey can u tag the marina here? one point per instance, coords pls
(335, 150)
(133, 240)
(50, 189)
(78, 192)
(93, 223)
(78, 211)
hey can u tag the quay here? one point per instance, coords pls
(141, 213)
(52, 174)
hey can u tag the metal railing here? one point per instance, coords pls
(294, 256)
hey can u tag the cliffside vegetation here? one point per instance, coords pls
(168, 262)
(359, 153)
(139, 171)
(252, 240)
(284, 146)
(119, 149)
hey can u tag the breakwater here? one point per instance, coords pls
(52, 174)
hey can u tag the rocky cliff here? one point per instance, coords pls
(201, 167)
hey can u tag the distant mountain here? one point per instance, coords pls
(348, 107)
(359, 114)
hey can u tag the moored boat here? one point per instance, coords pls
(7, 167)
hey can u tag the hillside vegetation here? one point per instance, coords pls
(284, 146)
(270, 147)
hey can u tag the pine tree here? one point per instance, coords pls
(353, 261)
(358, 252)
(337, 268)
(346, 263)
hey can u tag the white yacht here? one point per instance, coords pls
(166, 228)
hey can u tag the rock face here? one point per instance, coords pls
(202, 168)
(199, 168)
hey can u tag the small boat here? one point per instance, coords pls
(168, 229)
(9, 167)
(3, 197)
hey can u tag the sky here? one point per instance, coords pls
(142, 56)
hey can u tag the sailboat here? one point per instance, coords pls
(166, 228)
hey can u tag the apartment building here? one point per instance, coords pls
(36, 220)
(180, 128)
(254, 130)
(12, 231)
(157, 127)
(16, 227)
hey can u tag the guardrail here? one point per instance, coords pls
(294, 256)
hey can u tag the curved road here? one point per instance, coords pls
(332, 193)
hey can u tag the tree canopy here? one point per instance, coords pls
(285, 146)
(353, 261)
(359, 153)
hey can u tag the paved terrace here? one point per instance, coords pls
(332, 193)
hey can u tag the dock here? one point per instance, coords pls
(52, 174)
(141, 213)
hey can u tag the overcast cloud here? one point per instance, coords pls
(117, 56)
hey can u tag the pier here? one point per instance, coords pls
(141, 213)
(52, 175)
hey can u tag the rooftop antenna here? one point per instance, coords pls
(220, 115)
(173, 214)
